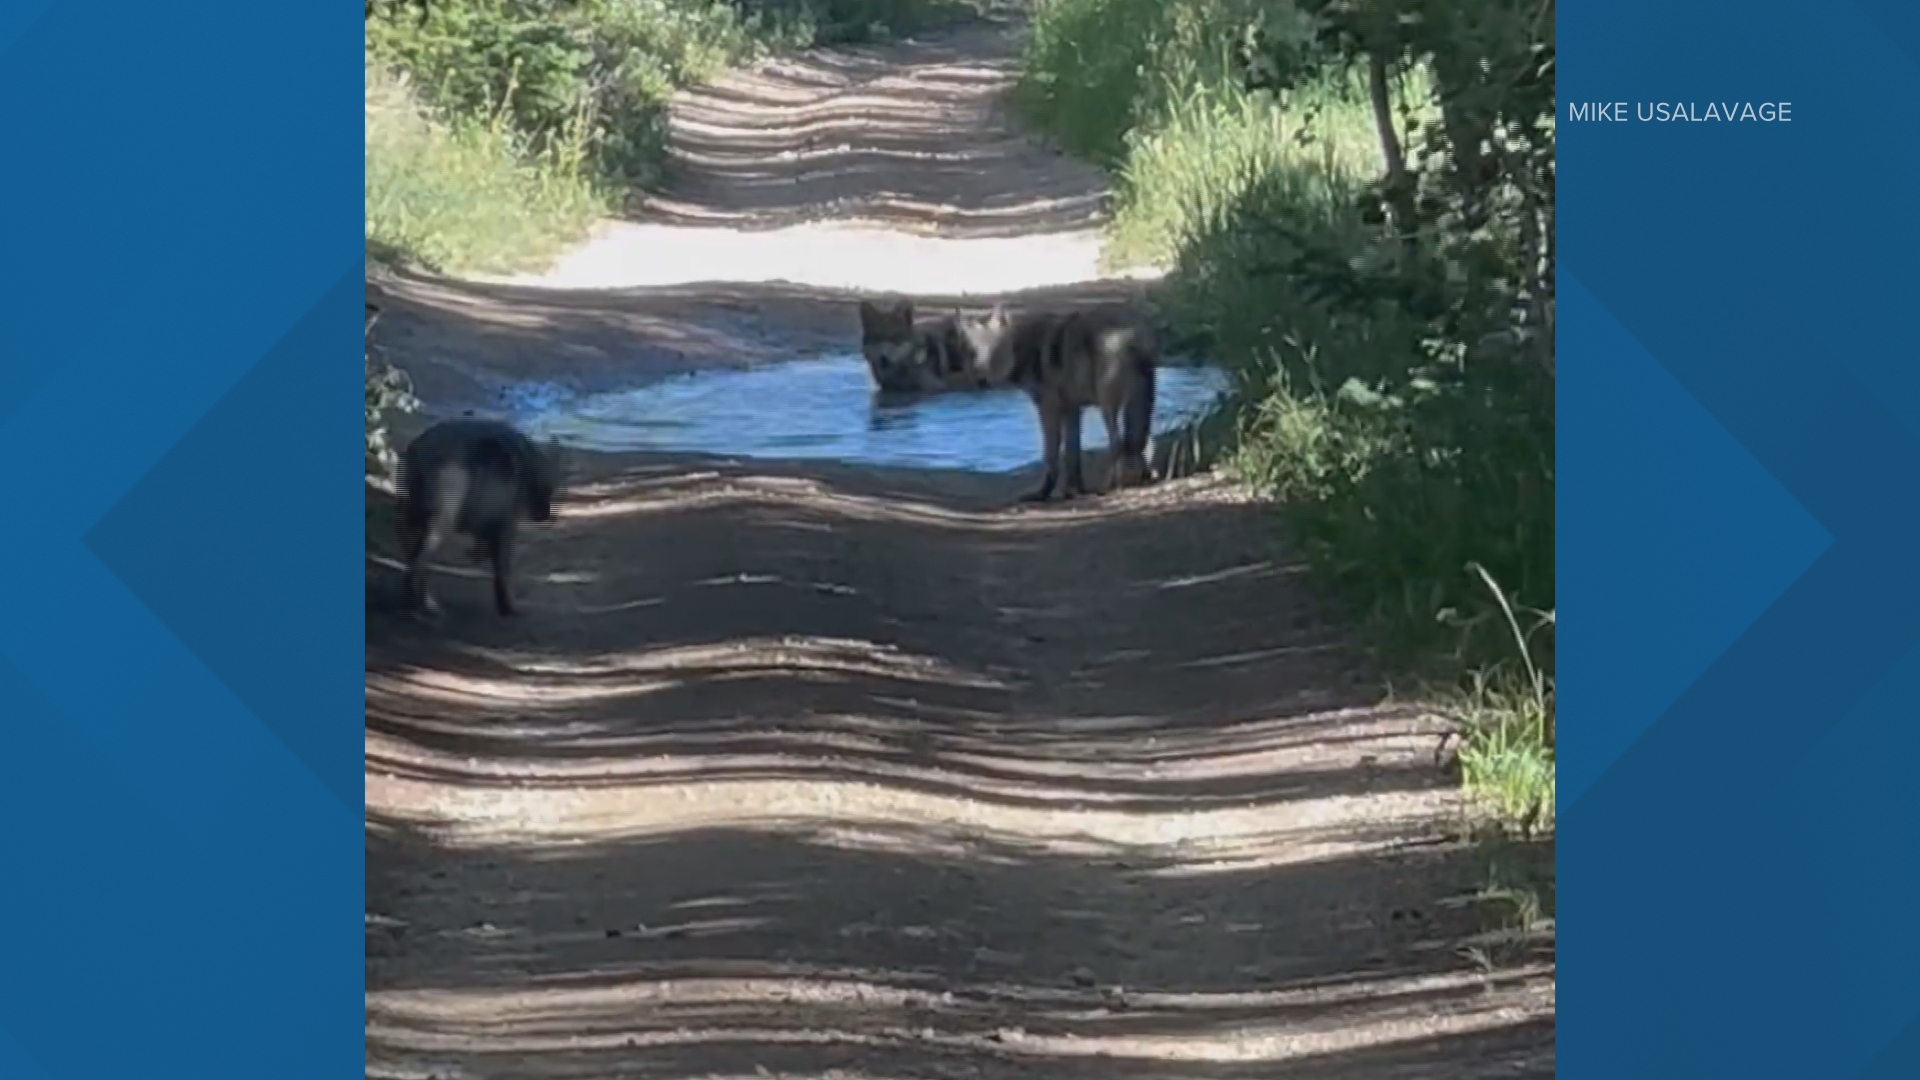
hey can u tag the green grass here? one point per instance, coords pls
(462, 194)
(1517, 902)
(1507, 762)
(1211, 145)
(838, 22)
(1396, 465)
(591, 75)
(498, 130)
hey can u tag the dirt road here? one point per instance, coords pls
(814, 771)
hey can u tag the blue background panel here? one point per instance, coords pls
(1740, 431)
(182, 614)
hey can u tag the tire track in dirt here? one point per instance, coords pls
(820, 771)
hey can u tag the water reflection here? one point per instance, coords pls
(826, 409)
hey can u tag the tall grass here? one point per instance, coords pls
(1509, 709)
(1411, 470)
(839, 22)
(465, 193)
(497, 130)
(1211, 143)
(1150, 90)
(593, 73)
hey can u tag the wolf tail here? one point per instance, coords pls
(1137, 420)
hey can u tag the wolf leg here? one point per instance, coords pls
(1137, 415)
(1049, 448)
(421, 542)
(500, 549)
(1116, 447)
(1070, 425)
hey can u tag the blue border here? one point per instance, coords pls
(180, 646)
(182, 613)
(1739, 431)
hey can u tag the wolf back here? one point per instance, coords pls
(479, 478)
(1066, 362)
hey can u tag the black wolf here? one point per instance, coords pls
(479, 478)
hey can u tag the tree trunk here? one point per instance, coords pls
(1398, 190)
(1456, 81)
(1383, 117)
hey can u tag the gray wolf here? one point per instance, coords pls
(1066, 363)
(479, 478)
(905, 356)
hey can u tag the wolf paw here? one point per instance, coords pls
(427, 610)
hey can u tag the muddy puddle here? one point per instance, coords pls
(826, 409)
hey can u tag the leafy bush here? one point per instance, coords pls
(459, 194)
(388, 391)
(832, 22)
(593, 72)
(497, 130)
(1354, 201)
(599, 72)
(1097, 71)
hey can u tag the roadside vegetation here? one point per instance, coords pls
(498, 131)
(1353, 198)
(1354, 202)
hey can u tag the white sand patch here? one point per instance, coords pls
(836, 255)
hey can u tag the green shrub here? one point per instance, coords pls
(601, 71)
(1390, 337)
(1096, 71)
(388, 391)
(833, 22)
(597, 72)
(461, 194)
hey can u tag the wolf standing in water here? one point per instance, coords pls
(908, 357)
(479, 478)
(1066, 362)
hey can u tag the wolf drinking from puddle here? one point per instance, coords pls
(909, 357)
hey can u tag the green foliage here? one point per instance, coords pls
(599, 72)
(497, 130)
(1378, 405)
(1096, 71)
(835, 22)
(1207, 149)
(459, 194)
(593, 72)
(1424, 347)
(1391, 329)
(1507, 762)
(388, 391)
